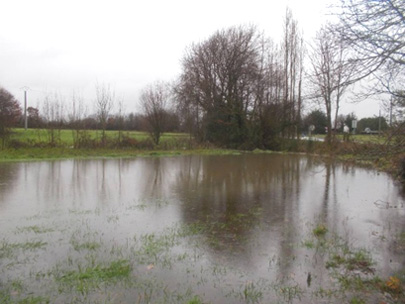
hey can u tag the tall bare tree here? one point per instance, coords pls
(293, 59)
(120, 118)
(154, 102)
(54, 116)
(331, 73)
(76, 115)
(105, 98)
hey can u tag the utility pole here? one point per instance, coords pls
(25, 108)
(25, 111)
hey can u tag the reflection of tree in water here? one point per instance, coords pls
(46, 178)
(399, 240)
(154, 178)
(51, 182)
(329, 197)
(78, 183)
(109, 182)
(9, 173)
(239, 193)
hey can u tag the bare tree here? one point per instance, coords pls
(76, 115)
(331, 73)
(120, 118)
(53, 113)
(104, 103)
(293, 56)
(375, 31)
(235, 89)
(265, 115)
(154, 102)
(217, 88)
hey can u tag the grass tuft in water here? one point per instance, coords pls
(6, 250)
(290, 292)
(155, 247)
(85, 245)
(31, 245)
(251, 293)
(90, 277)
(34, 300)
(351, 260)
(356, 300)
(34, 229)
(320, 230)
(195, 300)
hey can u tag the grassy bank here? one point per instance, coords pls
(66, 138)
(378, 152)
(40, 144)
(29, 154)
(35, 144)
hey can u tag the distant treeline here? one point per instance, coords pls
(127, 122)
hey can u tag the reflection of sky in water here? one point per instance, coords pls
(290, 193)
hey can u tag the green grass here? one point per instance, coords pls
(33, 144)
(31, 245)
(78, 246)
(356, 300)
(195, 300)
(6, 250)
(6, 299)
(320, 230)
(95, 267)
(27, 154)
(65, 137)
(251, 293)
(359, 138)
(34, 229)
(90, 277)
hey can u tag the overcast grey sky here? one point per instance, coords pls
(66, 46)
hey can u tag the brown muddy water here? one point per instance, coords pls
(251, 228)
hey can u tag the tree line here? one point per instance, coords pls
(240, 89)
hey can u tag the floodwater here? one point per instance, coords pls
(214, 229)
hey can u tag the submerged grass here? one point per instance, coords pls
(352, 270)
(34, 229)
(115, 270)
(7, 250)
(172, 265)
(85, 245)
(320, 230)
(88, 279)
(7, 299)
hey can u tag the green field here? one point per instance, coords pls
(35, 144)
(360, 138)
(66, 137)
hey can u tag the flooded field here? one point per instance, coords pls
(253, 228)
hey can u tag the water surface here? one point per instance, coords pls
(225, 229)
